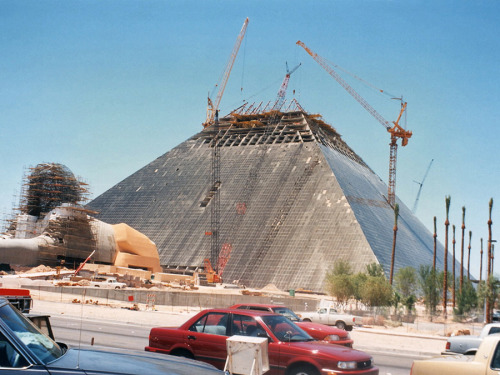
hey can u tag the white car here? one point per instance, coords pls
(331, 317)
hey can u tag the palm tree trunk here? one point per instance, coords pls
(462, 251)
(445, 274)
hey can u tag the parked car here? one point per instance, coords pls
(330, 316)
(291, 350)
(468, 344)
(25, 350)
(495, 317)
(485, 362)
(318, 331)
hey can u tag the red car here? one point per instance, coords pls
(318, 331)
(292, 351)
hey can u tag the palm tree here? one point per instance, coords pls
(395, 229)
(445, 273)
(481, 264)
(468, 259)
(435, 242)
(453, 242)
(462, 251)
(488, 303)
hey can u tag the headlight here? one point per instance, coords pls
(332, 338)
(347, 365)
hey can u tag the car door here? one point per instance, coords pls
(245, 325)
(207, 338)
(323, 316)
(13, 361)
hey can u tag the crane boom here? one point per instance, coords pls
(396, 130)
(280, 99)
(414, 210)
(213, 106)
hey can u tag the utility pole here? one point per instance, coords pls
(445, 275)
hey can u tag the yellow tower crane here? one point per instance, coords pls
(396, 131)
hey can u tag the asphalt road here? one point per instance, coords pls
(76, 332)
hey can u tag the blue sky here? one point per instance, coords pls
(107, 86)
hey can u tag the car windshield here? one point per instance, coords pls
(284, 329)
(285, 311)
(39, 344)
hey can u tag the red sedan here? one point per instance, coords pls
(320, 332)
(292, 351)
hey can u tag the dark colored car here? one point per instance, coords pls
(320, 332)
(25, 350)
(291, 350)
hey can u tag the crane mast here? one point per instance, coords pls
(280, 99)
(213, 106)
(396, 131)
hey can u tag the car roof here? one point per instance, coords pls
(258, 305)
(243, 312)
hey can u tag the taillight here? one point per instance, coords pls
(448, 345)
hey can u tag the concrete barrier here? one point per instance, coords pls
(179, 298)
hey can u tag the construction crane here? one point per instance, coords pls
(414, 210)
(395, 130)
(280, 99)
(213, 106)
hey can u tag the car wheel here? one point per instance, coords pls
(340, 325)
(303, 370)
(306, 320)
(117, 287)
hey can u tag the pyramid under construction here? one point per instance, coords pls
(294, 199)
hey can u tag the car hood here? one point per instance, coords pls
(337, 352)
(130, 362)
(327, 330)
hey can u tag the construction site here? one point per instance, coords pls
(267, 194)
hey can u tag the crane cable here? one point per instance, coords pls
(243, 67)
(360, 79)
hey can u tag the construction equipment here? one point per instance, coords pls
(83, 263)
(414, 210)
(213, 106)
(396, 131)
(280, 99)
(211, 276)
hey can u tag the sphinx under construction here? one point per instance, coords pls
(294, 199)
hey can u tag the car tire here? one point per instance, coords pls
(303, 370)
(340, 325)
(306, 320)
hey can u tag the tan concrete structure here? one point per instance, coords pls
(134, 249)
